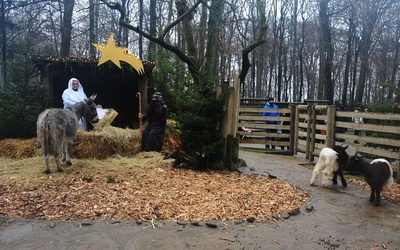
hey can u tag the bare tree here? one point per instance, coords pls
(93, 15)
(326, 54)
(3, 68)
(66, 28)
(370, 11)
(349, 54)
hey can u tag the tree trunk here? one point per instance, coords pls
(3, 45)
(92, 27)
(211, 63)
(301, 61)
(395, 64)
(66, 28)
(349, 56)
(294, 51)
(368, 24)
(281, 59)
(153, 29)
(326, 54)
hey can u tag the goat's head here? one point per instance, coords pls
(343, 157)
(355, 163)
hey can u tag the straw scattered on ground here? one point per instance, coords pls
(110, 179)
(143, 187)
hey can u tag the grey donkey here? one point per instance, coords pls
(57, 127)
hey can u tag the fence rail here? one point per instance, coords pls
(309, 128)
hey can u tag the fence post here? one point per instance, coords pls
(330, 126)
(308, 142)
(313, 131)
(293, 133)
(398, 172)
(296, 129)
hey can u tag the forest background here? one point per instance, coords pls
(346, 50)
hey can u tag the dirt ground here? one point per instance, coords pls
(333, 218)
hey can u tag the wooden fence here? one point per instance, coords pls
(309, 128)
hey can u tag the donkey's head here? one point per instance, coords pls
(89, 111)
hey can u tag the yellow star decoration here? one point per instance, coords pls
(112, 53)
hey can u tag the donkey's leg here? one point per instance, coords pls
(57, 151)
(63, 152)
(67, 158)
(46, 158)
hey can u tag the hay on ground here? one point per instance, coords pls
(101, 143)
(18, 148)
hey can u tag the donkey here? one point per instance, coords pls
(57, 127)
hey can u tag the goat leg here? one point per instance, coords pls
(325, 177)
(372, 197)
(377, 197)
(313, 177)
(334, 179)
(342, 179)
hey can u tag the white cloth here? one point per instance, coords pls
(71, 97)
(101, 112)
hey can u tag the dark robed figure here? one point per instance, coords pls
(156, 114)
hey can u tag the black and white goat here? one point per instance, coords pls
(378, 174)
(331, 161)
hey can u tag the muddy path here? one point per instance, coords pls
(333, 218)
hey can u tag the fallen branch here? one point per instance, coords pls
(227, 239)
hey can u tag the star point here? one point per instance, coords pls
(110, 52)
(115, 54)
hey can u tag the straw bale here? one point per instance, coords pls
(18, 148)
(106, 142)
(111, 140)
(97, 144)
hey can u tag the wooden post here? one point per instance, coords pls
(140, 110)
(313, 132)
(292, 133)
(235, 150)
(229, 152)
(296, 129)
(308, 132)
(398, 171)
(330, 126)
(236, 106)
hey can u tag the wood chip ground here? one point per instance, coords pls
(145, 188)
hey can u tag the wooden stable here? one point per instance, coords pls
(116, 88)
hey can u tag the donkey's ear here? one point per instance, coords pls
(92, 97)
